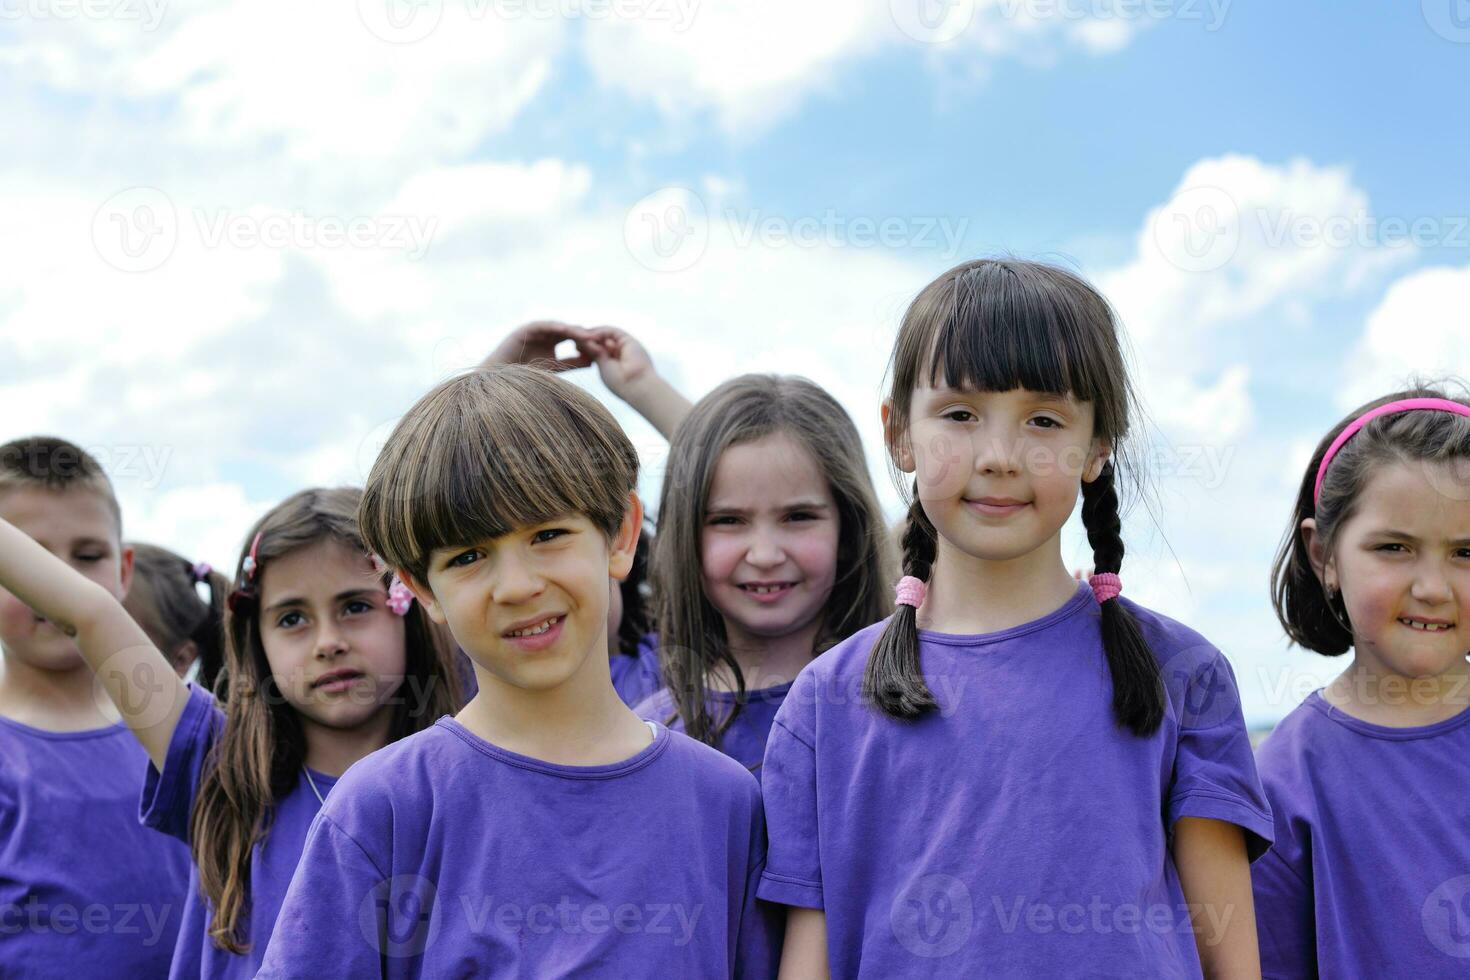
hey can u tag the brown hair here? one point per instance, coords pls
(692, 639)
(491, 451)
(164, 601)
(1311, 617)
(53, 463)
(999, 325)
(262, 748)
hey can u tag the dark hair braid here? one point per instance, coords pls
(894, 677)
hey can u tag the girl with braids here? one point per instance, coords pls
(165, 601)
(1367, 778)
(326, 663)
(1016, 774)
(771, 548)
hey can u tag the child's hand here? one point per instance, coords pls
(622, 361)
(535, 343)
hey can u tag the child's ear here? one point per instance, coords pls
(901, 450)
(424, 595)
(1317, 555)
(625, 544)
(125, 570)
(1102, 451)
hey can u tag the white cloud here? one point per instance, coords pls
(1420, 327)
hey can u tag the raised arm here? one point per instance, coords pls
(622, 362)
(137, 678)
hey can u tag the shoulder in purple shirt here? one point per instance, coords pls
(745, 739)
(1018, 830)
(1370, 872)
(444, 855)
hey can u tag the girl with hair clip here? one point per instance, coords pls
(1016, 774)
(768, 497)
(326, 663)
(1367, 778)
(165, 601)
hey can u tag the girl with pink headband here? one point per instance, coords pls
(1369, 778)
(1016, 774)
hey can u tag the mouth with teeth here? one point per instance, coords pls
(542, 627)
(766, 591)
(1425, 627)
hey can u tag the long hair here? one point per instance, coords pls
(692, 637)
(1311, 617)
(637, 595)
(165, 602)
(998, 325)
(257, 759)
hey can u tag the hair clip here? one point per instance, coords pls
(248, 566)
(200, 571)
(399, 597)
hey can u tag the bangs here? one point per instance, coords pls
(1005, 329)
(488, 453)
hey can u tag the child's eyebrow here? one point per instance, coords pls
(797, 505)
(90, 543)
(1411, 539)
(296, 600)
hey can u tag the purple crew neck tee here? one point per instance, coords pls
(745, 739)
(84, 891)
(636, 676)
(1018, 830)
(446, 856)
(168, 805)
(1370, 872)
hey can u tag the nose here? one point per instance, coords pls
(994, 453)
(1431, 584)
(330, 643)
(516, 581)
(765, 550)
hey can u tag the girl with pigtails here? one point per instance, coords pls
(1016, 774)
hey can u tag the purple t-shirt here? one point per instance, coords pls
(636, 676)
(745, 739)
(168, 806)
(446, 856)
(1018, 830)
(1370, 872)
(84, 891)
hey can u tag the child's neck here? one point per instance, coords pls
(766, 661)
(1370, 691)
(580, 722)
(53, 700)
(332, 750)
(969, 595)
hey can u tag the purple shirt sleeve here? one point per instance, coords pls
(1281, 880)
(167, 802)
(793, 873)
(1214, 769)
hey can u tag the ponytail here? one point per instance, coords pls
(209, 635)
(894, 678)
(1138, 692)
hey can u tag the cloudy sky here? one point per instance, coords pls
(239, 240)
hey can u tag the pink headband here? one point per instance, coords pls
(1392, 408)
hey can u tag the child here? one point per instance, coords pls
(767, 495)
(325, 665)
(1016, 774)
(495, 844)
(628, 372)
(164, 599)
(1369, 778)
(84, 890)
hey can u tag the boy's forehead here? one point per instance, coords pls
(569, 518)
(70, 514)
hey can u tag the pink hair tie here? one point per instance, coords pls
(910, 592)
(1105, 586)
(200, 571)
(399, 597)
(1392, 408)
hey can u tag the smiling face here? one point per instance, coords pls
(998, 472)
(768, 543)
(335, 649)
(1402, 564)
(77, 526)
(531, 607)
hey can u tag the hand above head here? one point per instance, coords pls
(622, 361)
(535, 343)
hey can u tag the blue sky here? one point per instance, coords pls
(500, 160)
